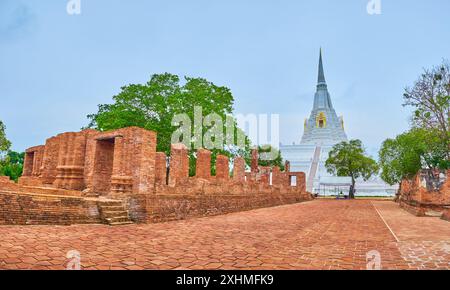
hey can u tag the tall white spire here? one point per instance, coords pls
(323, 126)
(321, 78)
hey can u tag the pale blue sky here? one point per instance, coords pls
(56, 68)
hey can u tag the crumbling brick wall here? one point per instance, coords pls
(205, 195)
(417, 199)
(123, 164)
(39, 209)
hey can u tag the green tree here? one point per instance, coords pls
(12, 165)
(410, 152)
(154, 105)
(349, 159)
(5, 144)
(430, 98)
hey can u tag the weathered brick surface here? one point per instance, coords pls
(416, 199)
(239, 170)
(323, 234)
(124, 165)
(254, 162)
(38, 209)
(446, 215)
(179, 165)
(50, 160)
(70, 169)
(33, 161)
(161, 168)
(5, 179)
(203, 165)
(222, 168)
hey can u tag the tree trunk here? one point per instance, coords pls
(352, 189)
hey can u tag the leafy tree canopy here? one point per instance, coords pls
(348, 159)
(410, 152)
(5, 144)
(12, 165)
(430, 99)
(154, 105)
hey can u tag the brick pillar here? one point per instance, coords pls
(203, 169)
(89, 163)
(222, 167)
(28, 164)
(146, 163)
(121, 179)
(71, 161)
(50, 160)
(239, 169)
(37, 160)
(446, 189)
(255, 159)
(179, 165)
(301, 181)
(264, 175)
(287, 166)
(161, 168)
(276, 176)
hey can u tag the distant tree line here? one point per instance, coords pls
(11, 163)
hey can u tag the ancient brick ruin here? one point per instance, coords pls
(118, 176)
(421, 198)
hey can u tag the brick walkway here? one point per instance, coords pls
(314, 235)
(423, 242)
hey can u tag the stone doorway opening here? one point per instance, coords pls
(103, 166)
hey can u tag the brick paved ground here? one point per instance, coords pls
(423, 242)
(314, 235)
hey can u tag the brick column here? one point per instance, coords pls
(203, 169)
(287, 166)
(28, 164)
(222, 167)
(71, 161)
(161, 168)
(147, 163)
(179, 165)
(276, 176)
(264, 175)
(255, 159)
(239, 169)
(121, 179)
(301, 181)
(50, 160)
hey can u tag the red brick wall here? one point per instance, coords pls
(35, 209)
(123, 164)
(169, 207)
(418, 200)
